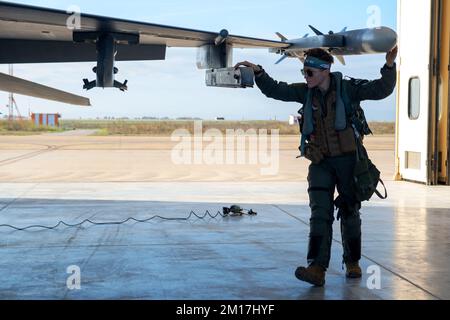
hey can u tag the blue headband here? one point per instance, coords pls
(314, 62)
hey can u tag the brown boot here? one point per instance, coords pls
(353, 270)
(313, 274)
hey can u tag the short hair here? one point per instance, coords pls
(320, 54)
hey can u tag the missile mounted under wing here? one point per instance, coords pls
(343, 43)
(31, 34)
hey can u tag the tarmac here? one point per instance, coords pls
(406, 245)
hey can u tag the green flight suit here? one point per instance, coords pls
(333, 171)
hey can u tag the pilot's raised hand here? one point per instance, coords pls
(391, 56)
(256, 69)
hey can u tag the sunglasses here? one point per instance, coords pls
(307, 72)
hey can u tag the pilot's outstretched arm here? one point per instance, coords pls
(380, 88)
(277, 90)
(376, 89)
(281, 90)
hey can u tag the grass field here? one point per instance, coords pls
(166, 128)
(163, 128)
(23, 127)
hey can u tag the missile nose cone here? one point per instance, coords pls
(379, 40)
(389, 38)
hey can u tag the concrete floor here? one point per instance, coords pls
(48, 178)
(406, 237)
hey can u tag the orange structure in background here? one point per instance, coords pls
(46, 119)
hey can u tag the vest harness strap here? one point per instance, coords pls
(341, 111)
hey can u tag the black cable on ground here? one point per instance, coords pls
(60, 223)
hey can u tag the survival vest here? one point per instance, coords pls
(345, 110)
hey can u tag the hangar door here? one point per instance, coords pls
(442, 93)
(413, 127)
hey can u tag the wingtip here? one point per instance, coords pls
(28, 88)
(86, 103)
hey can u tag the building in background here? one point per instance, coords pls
(46, 119)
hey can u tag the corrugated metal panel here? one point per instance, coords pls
(51, 120)
(42, 119)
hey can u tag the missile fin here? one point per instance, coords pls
(283, 38)
(317, 32)
(341, 59)
(282, 59)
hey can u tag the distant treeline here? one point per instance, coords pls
(167, 127)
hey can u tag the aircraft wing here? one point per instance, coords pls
(35, 35)
(20, 86)
(38, 35)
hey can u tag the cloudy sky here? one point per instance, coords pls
(176, 88)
